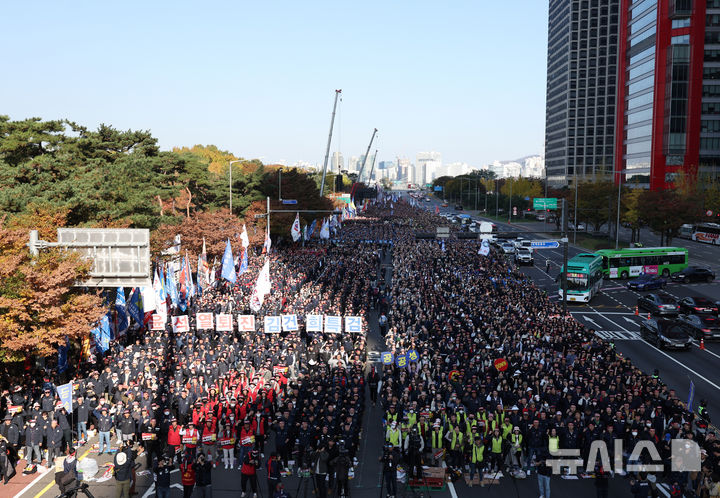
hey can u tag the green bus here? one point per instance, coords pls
(584, 277)
(624, 263)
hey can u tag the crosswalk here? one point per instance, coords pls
(618, 335)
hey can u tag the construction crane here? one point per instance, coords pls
(327, 150)
(359, 178)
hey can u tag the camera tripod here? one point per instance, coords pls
(73, 493)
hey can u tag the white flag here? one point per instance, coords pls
(295, 230)
(484, 248)
(325, 230)
(262, 287)
(244, 240)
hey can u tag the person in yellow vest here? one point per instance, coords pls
(392, 436)
(497, 450)
(516, 447)
(506, 428)
(499, 414)
(412, 417)
(391, 415)
(553, 441)
(469, 424)
(492, 423)
(423, 428)
(456, 441)
(405, 427)
(436, 442)
(477, 455)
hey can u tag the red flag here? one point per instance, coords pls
(437, 209)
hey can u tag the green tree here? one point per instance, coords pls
(666, 210)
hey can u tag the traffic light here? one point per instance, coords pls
(338, 183)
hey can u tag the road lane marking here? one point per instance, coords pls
(697, 345)
(618, 335)
(673, 359)
(49, 485)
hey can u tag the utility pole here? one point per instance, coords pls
(617, 221)
(497, 198)
(280, 184)
(510, 204)
(373, 166)
(565, 254)
(327, 150)
(575, 219)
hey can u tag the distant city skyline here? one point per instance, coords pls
(258, 79)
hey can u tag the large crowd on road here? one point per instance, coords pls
(203, 399)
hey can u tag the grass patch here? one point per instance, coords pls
(595, 243)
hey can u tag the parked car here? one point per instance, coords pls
(660, 304)
(508, 248)
(701, 326)
(523, 256)
(581, 226)
(665, 334)
(647, 282)
(444, 204)
(698, 305)
(458, 207)
(694, 274)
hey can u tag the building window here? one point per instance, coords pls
(681, 23)
(710, 126)
(711, 73)
(680, 40)
(709, 143)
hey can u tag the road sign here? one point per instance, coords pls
(544, 244)
(289, 201)
(438, 188)
(709, 212)
(545, 203)
(442, 232)
(514, 210)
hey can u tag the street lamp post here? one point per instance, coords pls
(576, 202)
(230, 171)
(510, 204)
(617, 221)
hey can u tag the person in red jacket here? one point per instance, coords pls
(209, 436)
(187, 476)
(174, 440)
(247, 440)
(226, 439)
(190, 438)
(249, 473)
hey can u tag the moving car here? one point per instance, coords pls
(507, 248)
(427, 199)
(444, 204)
(518, 242)
(660, 304)
(701, 327)
(647, 282)
(523, 256)
(458, 207)
(665, 334)
(698, 305)
(694, 274)
(581, 226)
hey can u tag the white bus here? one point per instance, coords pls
(706, 232)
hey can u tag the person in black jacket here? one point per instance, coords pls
(203, 476)
(33, 440)
(83, 413)
(54, 437)
(162, 477)
(10, 432)
(68, 477)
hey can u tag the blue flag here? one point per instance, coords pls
(182, 294)
(120, 309)
(101, 333)
(135, 307)
(228, 265)
(62, 355)
(170, 287)
(311, 228)
(65, 393)
(691, 396)
(243, 262)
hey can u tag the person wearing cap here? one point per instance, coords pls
(190, 436)
(10, 432)
(248, 472)
(127, 427)
(54, 437)
(187, 475)
(392, 435)
(33, 440)
(477, 456)
(247, 440)
(456, 446)
(124, 461)
(82, 409)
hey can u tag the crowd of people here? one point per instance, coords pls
(559, 386)
(202, 399)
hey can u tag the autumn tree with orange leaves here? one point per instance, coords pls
(39, 306)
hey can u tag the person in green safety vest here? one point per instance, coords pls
(436, 440)
(456, 440)
(477, 455)
(553, 441)
(391, 415)
(506, 428)
(392, 436)
(516, 447)
(497, 449)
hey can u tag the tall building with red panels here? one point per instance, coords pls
(668, 105)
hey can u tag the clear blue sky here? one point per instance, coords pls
(465, 78)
